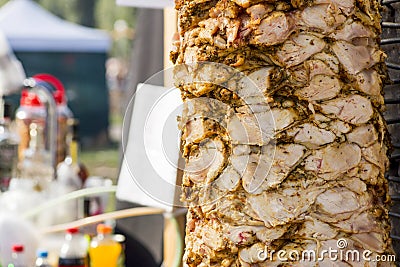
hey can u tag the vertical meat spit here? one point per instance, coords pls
(391, 44)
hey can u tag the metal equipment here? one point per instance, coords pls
(391, 44)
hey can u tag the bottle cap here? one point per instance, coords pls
(42, 254)
(73, 230)
(55, 86)
(29, 98)
(104, 229)
(18, 248)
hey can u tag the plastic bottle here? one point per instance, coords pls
(18, 257)
(74, 250)
(8, 149)
(41, 260)
(68, 180)
(121, 240)
(68, 170)
(104, 251)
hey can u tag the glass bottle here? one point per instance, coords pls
(36, 163)
(68, 175)
(69, 169)
(31, 110)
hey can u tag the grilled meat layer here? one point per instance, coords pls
(283, 135)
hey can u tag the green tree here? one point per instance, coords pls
(103, 14)
(107, 13)
(93, 13)
(65, 9)
(85, 10)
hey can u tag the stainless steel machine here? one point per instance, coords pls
(13, 79)
(391, 44)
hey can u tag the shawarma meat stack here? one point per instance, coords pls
(282, 131)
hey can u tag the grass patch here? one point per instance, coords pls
(104, 162)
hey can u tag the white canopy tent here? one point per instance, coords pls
(29, 27)
(45, 43)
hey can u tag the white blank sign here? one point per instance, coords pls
(149, 169)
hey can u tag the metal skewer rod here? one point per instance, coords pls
(390, 41)
(393, 66)
(391, 25)
(388, 2)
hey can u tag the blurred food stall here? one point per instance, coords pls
(48, 199)
(45, 43)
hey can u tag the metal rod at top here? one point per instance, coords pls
(392, 25)
(388, 2)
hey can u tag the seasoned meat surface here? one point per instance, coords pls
(282, 131)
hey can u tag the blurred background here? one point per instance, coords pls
(100, 52)
(87, 58)
(92, 64)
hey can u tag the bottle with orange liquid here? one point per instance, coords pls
(104, 251)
